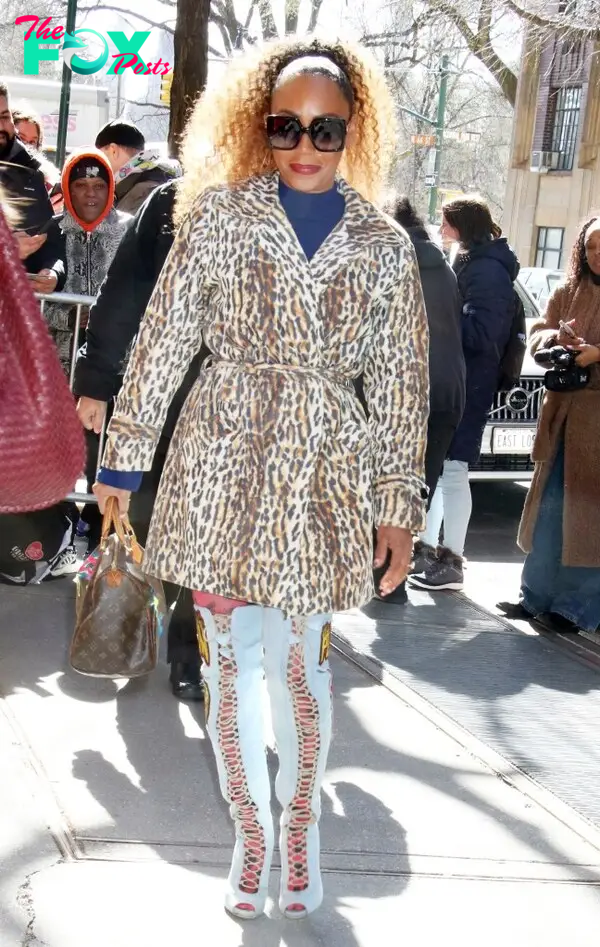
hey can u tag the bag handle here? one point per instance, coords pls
(112, 518)
(122, 527)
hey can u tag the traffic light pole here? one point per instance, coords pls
(439, 137)
(65, 94)
(438, 124)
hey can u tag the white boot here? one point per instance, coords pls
(231, 647)
(299, 682)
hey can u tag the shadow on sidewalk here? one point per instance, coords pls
(453, 780)
(442, 639)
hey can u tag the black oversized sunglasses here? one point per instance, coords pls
(327, 134)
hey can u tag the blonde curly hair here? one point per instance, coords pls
(225, 140)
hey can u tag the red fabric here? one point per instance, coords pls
(216, 604)
(41, 438)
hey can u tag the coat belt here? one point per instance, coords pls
(323, 374)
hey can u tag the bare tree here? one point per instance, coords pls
(190, 68)
(199, 30)
(477, 25)
(11, 36)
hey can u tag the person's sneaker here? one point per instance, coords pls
(64, 563)
(423, 556)
(445, 574)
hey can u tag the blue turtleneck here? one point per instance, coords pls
(313, 217)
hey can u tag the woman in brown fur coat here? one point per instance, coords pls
(560, 529)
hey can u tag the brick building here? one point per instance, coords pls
(554, 176)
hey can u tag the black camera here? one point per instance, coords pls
(566, 374)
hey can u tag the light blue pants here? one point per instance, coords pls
(547, 585)
(451, 505)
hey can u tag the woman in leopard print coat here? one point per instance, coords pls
(297, 284)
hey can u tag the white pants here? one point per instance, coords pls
(451, 505)
(238, 651)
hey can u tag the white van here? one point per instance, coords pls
(88, 109)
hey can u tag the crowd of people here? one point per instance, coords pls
(296, 383)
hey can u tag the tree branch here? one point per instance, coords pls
(292, 11)
(108, 8)
(267, 20)
(314, 14)
(153, 105)
(558, 24)
(484, 24)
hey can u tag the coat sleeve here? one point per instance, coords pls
(396, 385)
(544, 332)
(137, 196)
(124, 295)
(170, 336)
(51, 256)
(488, 306)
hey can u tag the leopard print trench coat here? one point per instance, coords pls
(274, 477)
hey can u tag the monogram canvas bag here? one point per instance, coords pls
(119, 609)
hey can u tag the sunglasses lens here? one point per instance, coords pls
(283, 132)
(328, 134)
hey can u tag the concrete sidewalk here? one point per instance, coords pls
(112, 831)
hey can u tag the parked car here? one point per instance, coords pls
(509, 433)
(540, 283)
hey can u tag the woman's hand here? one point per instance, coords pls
(400, 543)
(28, 244)
(91, 413)
(563, 338)
(102, 491)
(589, 354)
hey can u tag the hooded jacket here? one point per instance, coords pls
(22, 176)
(443, 307)
(140, 176)
(87, 249)
(486, 273)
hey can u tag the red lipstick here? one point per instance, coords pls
(305, 168)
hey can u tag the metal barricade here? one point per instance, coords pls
(80, 302)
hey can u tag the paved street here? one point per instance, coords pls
(494, 560)
(461, 803)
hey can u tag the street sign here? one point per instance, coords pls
(425, 141)
(430, 180)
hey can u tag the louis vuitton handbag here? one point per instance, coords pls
(119, 610)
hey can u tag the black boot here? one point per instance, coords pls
(555, 623)
(186, 680)
(514, 610)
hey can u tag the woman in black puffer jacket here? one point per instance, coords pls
(486, 269)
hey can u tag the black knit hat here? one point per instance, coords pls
(89, 167)
(121, 133)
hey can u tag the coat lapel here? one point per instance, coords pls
(257, 200)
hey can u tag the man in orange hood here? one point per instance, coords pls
(88, 233)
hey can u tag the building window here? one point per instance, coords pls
(565, 125)
(549, 247)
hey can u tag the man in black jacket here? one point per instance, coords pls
(113, 324)
(22, 179)
(137, 171)
(446, 359)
